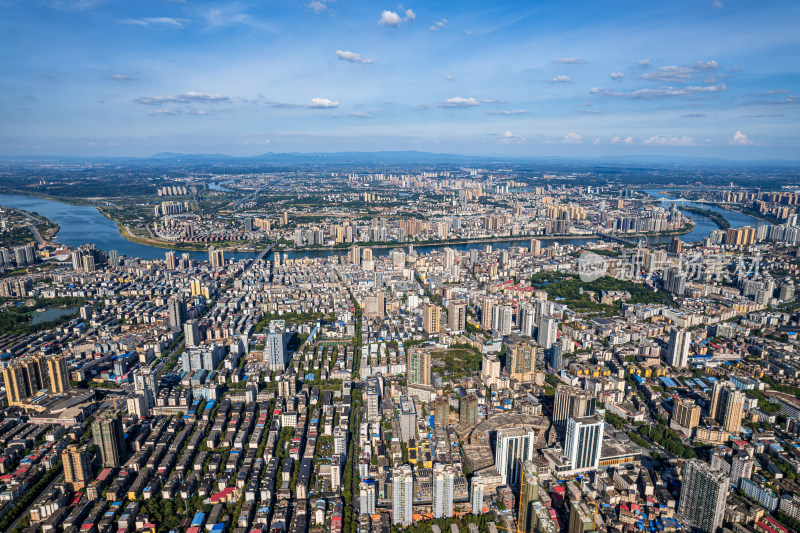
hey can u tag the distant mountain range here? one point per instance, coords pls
(408, 157)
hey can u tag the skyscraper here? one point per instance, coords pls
(177, 312)
(476, 495)
(216, 257)
(548, 332)
(113, 258)
(443, 480)
(502, 319)
(581, 518)
(58, 374)
(741, 468)
(191, 333)
(419, 366)
(468, 410)
(678, 348)
(441, 415)
(513, 447)
(145, 382)
(402, 495)
(449, 257)
(703, 495)
(685, 415)
(431, 319)
(171, 261)
(522, 357)
(583, 442)
(354, 255)
(526, 318)
(486, 313)
(457, 316)
(572, 402)
(727, 406)
(528, 493)
(367, 496)
(107, 433)
(77, 466)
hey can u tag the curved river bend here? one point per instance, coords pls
(84, 224)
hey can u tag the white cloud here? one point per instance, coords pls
(458, 101)
(438, 25)
(164, 112)
(185, 98)
(572, 138)
(569, 60)
(740, 139)
(120, 77)
(156, 21)
(359, 114)
(616, 75)
(644, 63)
(511, 138)
(665, 140)
(317, 7)
(676, 74)
(507, 112)
(560, 79)
(662, 92)
(616, 139)
(322, 103)
(449, 77)
(392, 18)
(351, 57)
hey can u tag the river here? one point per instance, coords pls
(84, 224)
(704, 225)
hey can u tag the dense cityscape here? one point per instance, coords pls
(467, 349)
(324, 266)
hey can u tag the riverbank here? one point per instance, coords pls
(719, 220)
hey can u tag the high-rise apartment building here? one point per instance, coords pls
(685, 415)
(77, 466)
(703, 495)
(191, 333)
(402, 495)
(216, 257)
(108, 435)
(741, 468)
(457, 316)
(572, 402)
(528, 493)
(526, 318)
(678, 348)
(548, 332)
(581, 518)
(727, 406)
(514, 447)
(468, 410)
(367, 496)
(583, 442)
(177, 312)
(172, 262)
(444, 477)
(476, 495)
(408, 418)
(419, 366)
(487, 308)
(431, 319)
(441, 416)
(524, 357)
(25, 377)
(502, 320)
(57, 373)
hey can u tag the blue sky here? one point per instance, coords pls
(570, 78)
